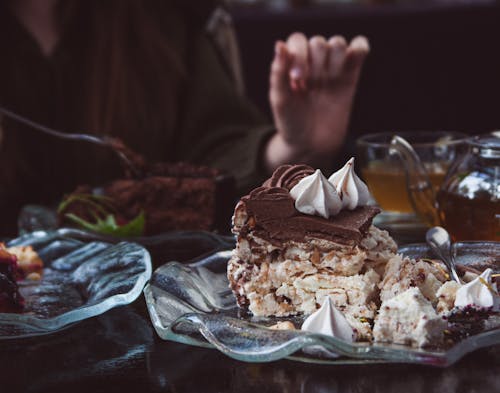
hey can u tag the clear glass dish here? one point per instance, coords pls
(80, 280)
(192, 304)
(173, 245)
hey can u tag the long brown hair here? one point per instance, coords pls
(133, 72)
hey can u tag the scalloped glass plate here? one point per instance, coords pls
(80, 280)
(174, 245)
(192, 304)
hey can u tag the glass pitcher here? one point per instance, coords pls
(468, 201)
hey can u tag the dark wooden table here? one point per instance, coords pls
(119, 351)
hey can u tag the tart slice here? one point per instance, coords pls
(10, 298)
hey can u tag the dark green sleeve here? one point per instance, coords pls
(219, 127)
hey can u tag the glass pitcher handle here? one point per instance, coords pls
(420, 189)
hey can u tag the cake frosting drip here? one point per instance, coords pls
(480, 293)
(315, 195)
(353, 192)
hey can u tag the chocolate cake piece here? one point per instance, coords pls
(177, 196)
(285, 262)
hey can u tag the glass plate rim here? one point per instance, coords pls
(443, 358)
(219, 240)
(42, 326)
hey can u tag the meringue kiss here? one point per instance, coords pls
(314, 195)
(353, 192)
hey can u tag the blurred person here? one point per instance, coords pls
(147, 72)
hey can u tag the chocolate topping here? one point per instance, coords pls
(276, 218)
(287, 176)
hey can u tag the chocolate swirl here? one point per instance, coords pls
(287, 176)
(269, 193)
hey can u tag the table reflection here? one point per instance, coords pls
(97, 348)
(120, 352)
(179, 368)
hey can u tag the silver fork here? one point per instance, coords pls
(96, 140)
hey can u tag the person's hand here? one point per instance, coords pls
(312, 86)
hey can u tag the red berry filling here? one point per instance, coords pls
(10, 298)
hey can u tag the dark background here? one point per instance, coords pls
(432, 66)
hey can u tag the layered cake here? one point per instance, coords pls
(306, 246)
(178, 196)
(302, 237)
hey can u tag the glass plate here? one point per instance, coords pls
(192, 304)
(168, 246)
(80, 280)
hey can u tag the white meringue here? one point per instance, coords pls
(314, 195)
(353, 192)
(480, 292)
(329, 321)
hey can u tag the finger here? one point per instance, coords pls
(337, 55)
(356, 53)
(297, 46)
(279, 75)
(318, 57)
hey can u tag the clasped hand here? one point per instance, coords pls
(312, 86)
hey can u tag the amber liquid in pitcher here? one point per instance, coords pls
(469, 219)
(387, 184)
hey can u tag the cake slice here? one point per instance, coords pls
(402, 273)
(409, 318)
(170, 196)
(286, 261)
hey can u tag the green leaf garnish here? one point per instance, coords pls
(109, 226)
(101, 203)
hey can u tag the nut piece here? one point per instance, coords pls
(285, 325)
(251, 222)
(34, 276)
(315, 257)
